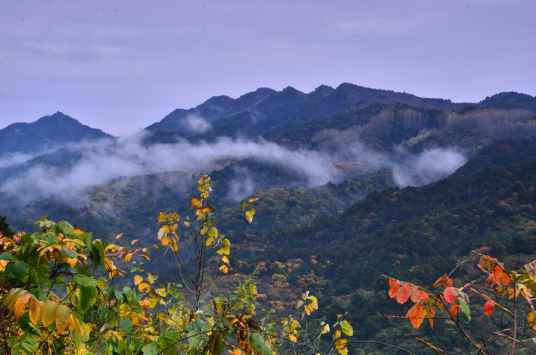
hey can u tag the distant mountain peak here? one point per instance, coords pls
(48, 132)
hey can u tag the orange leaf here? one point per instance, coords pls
(394, 288)
(454, 309)
(134, 241)
(119, 236)
(497, 273)
(450, 294)
(403, 293)
(416, 315)
(20, 305)
(488, 307)
(505, 279)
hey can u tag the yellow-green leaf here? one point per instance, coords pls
(212, 232)
(347, 328)
(250, 213)
(49, 313)
(63, 318)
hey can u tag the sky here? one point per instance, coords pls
(121, 65)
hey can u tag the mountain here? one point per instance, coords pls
(46, 134)
(511, 100)
(266, 110)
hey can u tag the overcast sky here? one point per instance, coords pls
(120, 65)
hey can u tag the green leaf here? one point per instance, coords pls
(65, 228)
(85, 280)
(465, 308)
(96, 254)
(266, 350)
(86, 296)
(167, 343)
(102, 284)
(18, 270)
(217, 344)
(126, 325)
(7, 256)
(150, 349)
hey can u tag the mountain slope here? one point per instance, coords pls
(45, 134)
(511, 100)
(266, 110)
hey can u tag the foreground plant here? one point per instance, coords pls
(513, 294)
(58, 296)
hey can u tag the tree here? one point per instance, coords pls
(4, 227)
(513, 296)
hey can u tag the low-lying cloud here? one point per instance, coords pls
(99, 162)
(197, 124)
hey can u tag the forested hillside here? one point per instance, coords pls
(351, 182)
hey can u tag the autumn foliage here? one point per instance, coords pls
(512, 286)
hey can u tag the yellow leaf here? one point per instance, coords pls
(128, 257)
(343, 351)
(250, 213)
(225, 259)
(36, 311)
(196, 202)
(20, 305)
(143, 286)
(3, 264)
(161, 292)
(224, 269)
(137, 280)
(293, 338)
(325, 329)
(341, 343)
(337, 334)
(224, 251)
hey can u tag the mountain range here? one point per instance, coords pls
(352, 183)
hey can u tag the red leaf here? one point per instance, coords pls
(394, 288)
(488, 307)
(415, 294)
(454, 309)
(402, 295)
(450, 294)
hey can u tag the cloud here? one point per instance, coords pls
(197, 124)
(99, 162)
